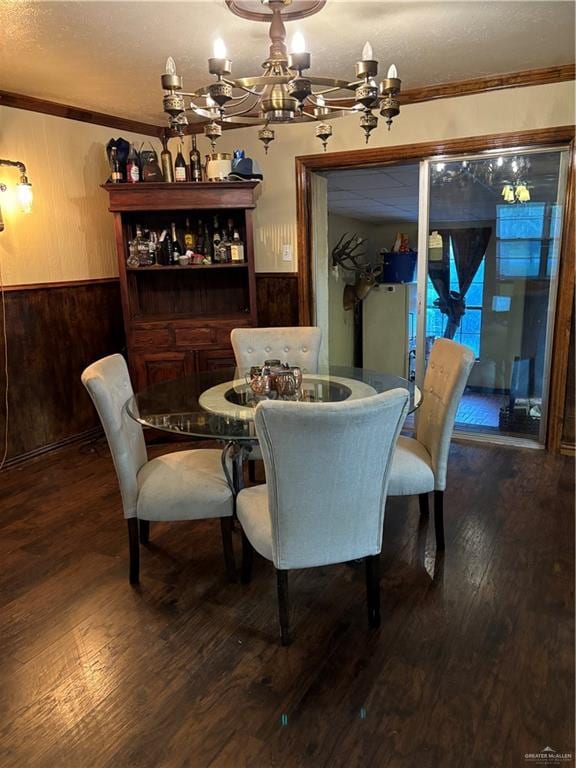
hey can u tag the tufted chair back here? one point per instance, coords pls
(448, 369)
(326, 482)
(108, 383)
(297, 346)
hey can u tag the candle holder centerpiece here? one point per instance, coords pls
(275, 379)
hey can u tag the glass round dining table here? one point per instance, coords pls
(220, 404)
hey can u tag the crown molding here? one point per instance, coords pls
(32, 104)
(523, 79)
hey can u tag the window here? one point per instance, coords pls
(469, 331)
(527, 239)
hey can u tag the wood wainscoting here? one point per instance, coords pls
(54, 330)
(277, 299)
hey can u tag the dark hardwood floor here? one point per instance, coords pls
(472, 665)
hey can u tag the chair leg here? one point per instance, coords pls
(134, 548)
(226, 528)
(373, 589)
(424, 506)
(144, 526)
(247, 557)
(283, 606)
(252, 471)
(439, 519)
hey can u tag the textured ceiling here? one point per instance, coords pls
(390, 194)
(108, 56)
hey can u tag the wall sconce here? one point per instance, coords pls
(23, 188)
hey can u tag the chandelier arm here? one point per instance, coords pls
(205, 91)
(214, 114)
(326, 91)
(241, 99)
(234, 84)
(226, 117)
(264, 80)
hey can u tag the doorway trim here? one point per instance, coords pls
(364, 158)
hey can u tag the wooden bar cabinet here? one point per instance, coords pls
(178, 318)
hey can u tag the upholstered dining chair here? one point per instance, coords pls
(420, 463)
(326, 488)
(185, 485)
(297, 346)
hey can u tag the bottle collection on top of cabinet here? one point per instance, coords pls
(202, 243)
(178, 170)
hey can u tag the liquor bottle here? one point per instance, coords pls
(195, 162)
(224, 248)
(177, 249)
(132, 167)
(230, 239)
(200, 238)
(132, 262)
(165, 248)
(116, 177)
(141, 247)
(207, 246)
(189, 237)
(166, 161)
(152, 248)
(237, 248)
(180, 166)
(216, 241)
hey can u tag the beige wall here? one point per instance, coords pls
(69, 235)
(340, 321)
(497, 112)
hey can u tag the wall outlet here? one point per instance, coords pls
(287, 252)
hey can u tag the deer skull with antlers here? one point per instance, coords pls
(345, 255)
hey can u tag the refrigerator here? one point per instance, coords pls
(389, 329)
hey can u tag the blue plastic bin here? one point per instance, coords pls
(399, 267)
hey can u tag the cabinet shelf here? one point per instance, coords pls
(178, 267)
(232, 319)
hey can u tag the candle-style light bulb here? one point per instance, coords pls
(219, 49)
(170, 66)
(392, 72)
(367, 53)
(25, 196)
(320, 101)
(298, 44)
(500, 162)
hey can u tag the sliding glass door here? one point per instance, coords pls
(489, 239)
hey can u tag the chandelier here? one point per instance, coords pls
(284, 93)
(511, 173)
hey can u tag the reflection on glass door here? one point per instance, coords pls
(495, 226)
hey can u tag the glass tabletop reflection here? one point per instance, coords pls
(220, 404)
